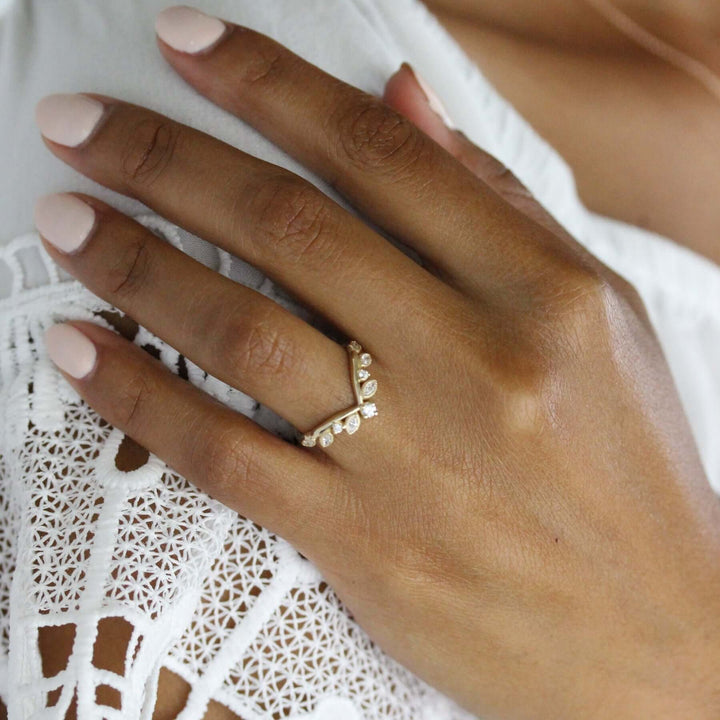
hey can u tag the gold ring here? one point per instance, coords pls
(364, 387)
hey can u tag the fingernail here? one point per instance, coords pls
(64, 220)
(187, 29)
(73, 352)
(433, 100)
(68, 118)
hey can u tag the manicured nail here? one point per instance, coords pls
(434, 101)
(68, 118)
(73, 352)
(64, 220)
(188, 30)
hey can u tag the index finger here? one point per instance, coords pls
(388, 168)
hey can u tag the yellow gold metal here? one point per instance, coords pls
(363, 387)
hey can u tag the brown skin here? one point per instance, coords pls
(640, 135)
(526, 524)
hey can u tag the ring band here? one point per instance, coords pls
(349, 420)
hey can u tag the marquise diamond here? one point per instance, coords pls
(352, 424)
(369, 388)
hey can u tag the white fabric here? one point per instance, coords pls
(231, 608)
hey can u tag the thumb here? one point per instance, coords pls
(411, 96)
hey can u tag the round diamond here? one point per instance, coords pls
(337, 428)
(352, 423)
(369, 410)
(326, 439)
(355, 346)
(363, 374)
(365, 359)
(369, 388)
(308, 441)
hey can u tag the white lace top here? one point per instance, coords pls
(229, 607)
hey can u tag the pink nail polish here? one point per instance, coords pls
(72, 351)
(187, 29)
(68, 118)
(64, 220)
(434, 101)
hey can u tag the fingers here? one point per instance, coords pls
(235, 333)
(329, 259)
(389, 169)
(408, 94)
(278, 485)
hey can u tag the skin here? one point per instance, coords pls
(526, 524)
(639, 133)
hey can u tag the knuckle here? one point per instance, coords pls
(150, 145)
(517, 361)
(296, 218)
(571, 319)
(519, 381)
(525, 405)
(578, 300)
(264, 59)
(132, 267)
(264, 67)
(372, 136)
(132, 400)
(259, 348)
(605, 305)
(226, 460)
(585, 299)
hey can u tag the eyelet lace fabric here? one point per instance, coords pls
(143, 561)
(182, 581)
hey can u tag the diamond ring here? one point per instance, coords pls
(364, 387)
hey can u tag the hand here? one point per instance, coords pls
(525, 524)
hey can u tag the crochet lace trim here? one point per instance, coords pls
(89, 551)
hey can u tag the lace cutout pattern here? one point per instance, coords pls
(144, 561)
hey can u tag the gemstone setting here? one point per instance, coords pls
(352, 424)
(369, 388)
(326, 439)
(369, 410)
(349, 420)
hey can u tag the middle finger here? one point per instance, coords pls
(233, 332)
(274, 219)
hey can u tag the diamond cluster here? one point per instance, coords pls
(350, 423)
